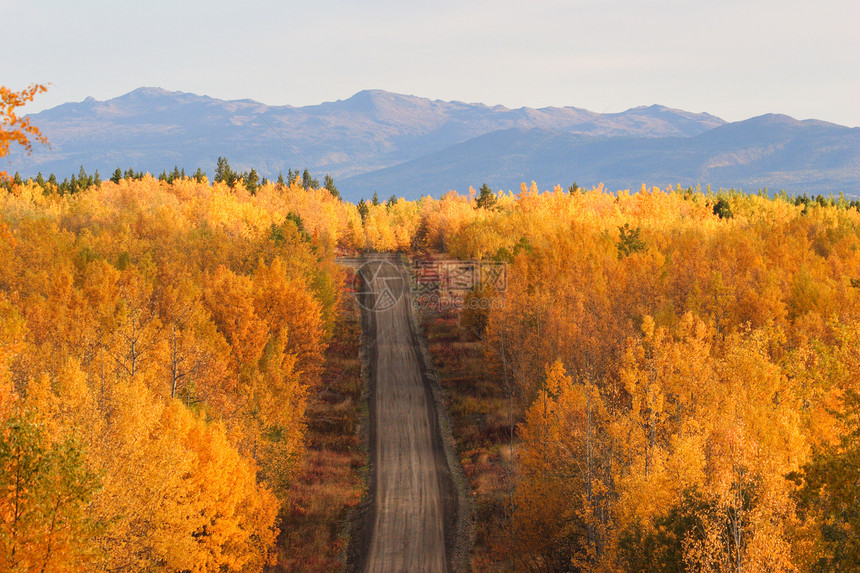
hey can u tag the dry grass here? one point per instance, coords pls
(481, 416)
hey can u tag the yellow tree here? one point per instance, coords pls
(273, 327)
(753, 443)
(562, 515)
(198, 357)
(176, 495)
(45, 493)
(666, 382)
(830, 494)
(12, 333)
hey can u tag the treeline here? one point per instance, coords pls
(688, 367)
(156, 343)
(251, 180)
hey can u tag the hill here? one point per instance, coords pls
(407, 145)
(772, 152)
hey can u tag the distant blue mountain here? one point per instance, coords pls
(408, 146)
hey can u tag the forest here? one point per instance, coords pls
(670, 376)
(157, 342)
(683, 369)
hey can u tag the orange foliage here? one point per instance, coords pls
(674, 363)
(15, 129)
(674, 366)
(173, 330)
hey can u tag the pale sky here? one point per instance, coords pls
(734, 59)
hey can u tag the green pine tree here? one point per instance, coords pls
(486, 198)
(309, 182)
(328, 183)
(252, 181)
(223, 173)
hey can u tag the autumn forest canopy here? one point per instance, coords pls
(678, 369)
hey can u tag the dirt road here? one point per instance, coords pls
(409, 524)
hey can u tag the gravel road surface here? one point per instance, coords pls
(407, 525)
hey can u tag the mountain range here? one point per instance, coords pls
(392, 144)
